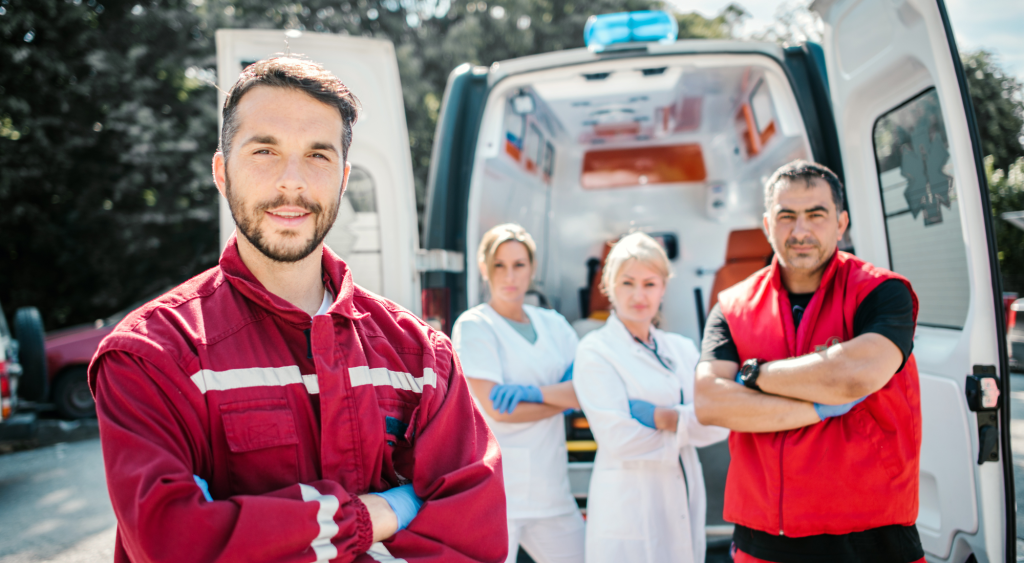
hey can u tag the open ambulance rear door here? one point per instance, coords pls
(376, 230)
(918, 203)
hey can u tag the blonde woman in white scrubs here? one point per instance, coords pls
(517, 359)
(635, 383)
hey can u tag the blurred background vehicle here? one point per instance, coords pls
(23, 378)
(68, 353)
(1015, 332)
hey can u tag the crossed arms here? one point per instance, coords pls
(842, 373)
(155, 440)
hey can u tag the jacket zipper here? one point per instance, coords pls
(782, 448)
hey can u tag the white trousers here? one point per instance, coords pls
(557, 539)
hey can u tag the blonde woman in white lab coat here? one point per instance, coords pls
(635, 384)
(517, 361)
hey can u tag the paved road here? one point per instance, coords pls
(54, 505)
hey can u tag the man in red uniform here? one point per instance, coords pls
(269, 409)
(825, 410)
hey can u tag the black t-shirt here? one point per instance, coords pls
(888, 310)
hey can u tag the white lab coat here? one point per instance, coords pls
(638, 508)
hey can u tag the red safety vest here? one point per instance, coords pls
(846, 474)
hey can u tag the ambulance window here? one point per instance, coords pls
(922, 218)
(360, 191)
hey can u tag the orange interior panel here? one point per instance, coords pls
(615, 129)
(512, 150)
(754, 141)
(600, 306)
(616, 168)
(746, 252)
(749, 128)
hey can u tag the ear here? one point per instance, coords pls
(764, 225)
(220, 173)
(483, 270)
(344, 178)
(844, 223)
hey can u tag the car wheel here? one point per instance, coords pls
(28, 330)
(72, 396)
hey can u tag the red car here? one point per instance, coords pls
(68, 353)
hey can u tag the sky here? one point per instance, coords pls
(994, 25)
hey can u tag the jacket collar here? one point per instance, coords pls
(796, 335)
(337, 279)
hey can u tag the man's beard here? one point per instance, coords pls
(818, 256)
(249, 222)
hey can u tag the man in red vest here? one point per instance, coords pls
(809, 363)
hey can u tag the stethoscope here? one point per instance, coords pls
(654, 350)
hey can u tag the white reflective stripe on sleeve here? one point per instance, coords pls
(381, 553)
(209, 380)
(364, 375)
(321, 544)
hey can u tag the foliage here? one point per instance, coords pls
(1006, 191)
(999, 109)
(723, 26)
(104, 146)
(794, 23)
(108, 120)
(999, 106)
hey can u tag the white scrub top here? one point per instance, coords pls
(639, 509)
(532, 453)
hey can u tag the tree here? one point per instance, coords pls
(998, 106)
(693, 25)
(794, 23)
(1006, 192)
(104, 195)
(108, 121)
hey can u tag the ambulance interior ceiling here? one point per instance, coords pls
(582, 155)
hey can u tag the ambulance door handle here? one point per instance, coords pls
(982, 390)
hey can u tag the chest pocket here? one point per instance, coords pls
(263, 445)
(398, 463)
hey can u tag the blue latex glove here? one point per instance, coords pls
(505, 398)
(828, 411)
(567, 376)
(643, 412)
(203, 487)
(404, 502)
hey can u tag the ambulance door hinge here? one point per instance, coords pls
(982, 389)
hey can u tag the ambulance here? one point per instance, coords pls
(639, 131)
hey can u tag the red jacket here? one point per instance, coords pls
(845, 474)
(216, 379)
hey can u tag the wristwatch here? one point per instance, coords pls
(749, 372)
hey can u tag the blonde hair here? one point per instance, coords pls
(636, 246)
(499, 235)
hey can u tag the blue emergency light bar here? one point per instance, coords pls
(606, 30)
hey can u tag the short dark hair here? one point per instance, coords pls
(806, 171)
(298, 74)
